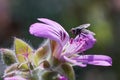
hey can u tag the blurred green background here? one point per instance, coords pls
(104, 16)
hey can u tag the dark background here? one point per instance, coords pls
(104, 16)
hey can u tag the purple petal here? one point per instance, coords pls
(52, 23)
(88, 40)
(73, 47)
(14, 78)
(81, 43)
(74, 62)
(46, 31)
(50, 29)
(100, 60)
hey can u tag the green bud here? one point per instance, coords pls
(46, 64)
(8, 56)
(68, 71)
(50, 75)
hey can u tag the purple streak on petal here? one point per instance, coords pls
(72, 47)
(63, 34)
(51, 23)
(74, 62)
(52, 30)
(100, 60)
(14, 78)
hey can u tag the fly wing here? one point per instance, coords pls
(83, 26)
(88, 32)
(80, 28)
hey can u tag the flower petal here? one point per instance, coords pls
(72, 47)
(100, 60)
(52, 30)
(81, 43)
(88, 40)
(74, 62)
(52, 23)
(49, 29)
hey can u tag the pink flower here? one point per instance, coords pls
(65, 48)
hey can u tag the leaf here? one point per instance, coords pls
(68, 71)
(22, 50)
(23, 62)
(8, 56)
(22, 47)
(41, 54)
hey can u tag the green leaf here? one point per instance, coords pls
(22, 50)
(8, 56)
(68, 71)
(41, 54)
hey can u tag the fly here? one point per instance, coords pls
(81, 29)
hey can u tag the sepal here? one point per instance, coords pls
(22, 50)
